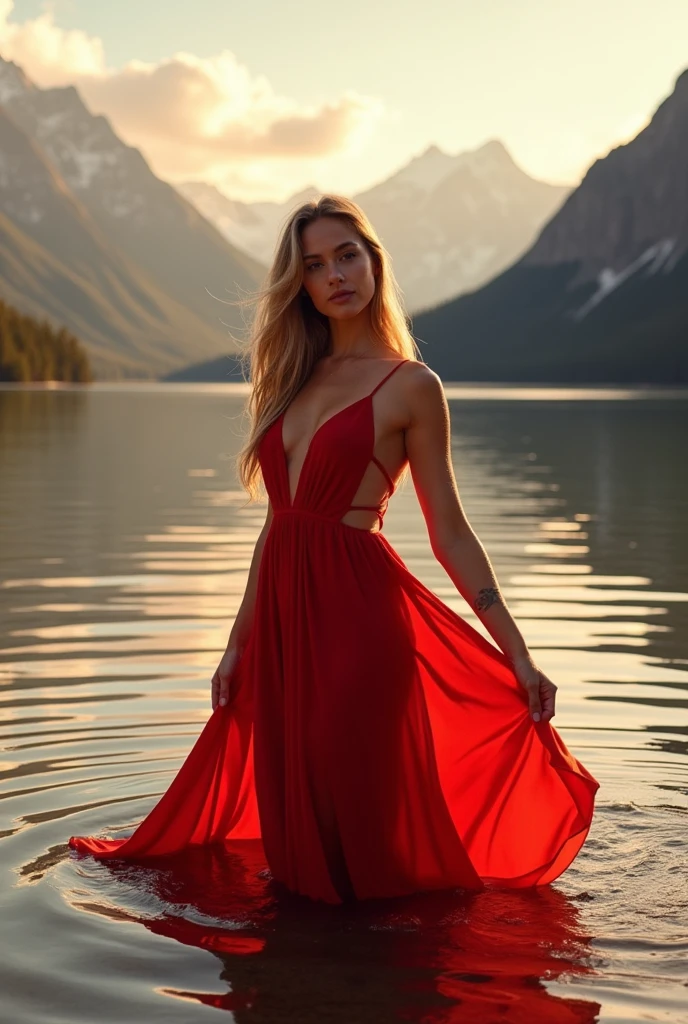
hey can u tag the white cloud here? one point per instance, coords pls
(209, 118)
(49, 55)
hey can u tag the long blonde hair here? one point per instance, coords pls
(288, 335)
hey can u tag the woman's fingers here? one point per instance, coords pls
(219, 690)
(541, 690)
(548, 693)
(534, 706)
(220, 683)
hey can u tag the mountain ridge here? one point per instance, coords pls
(155, 262)
(602, 295)
(449, 221)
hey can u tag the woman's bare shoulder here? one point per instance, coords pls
(421, 384)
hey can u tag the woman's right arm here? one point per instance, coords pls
(243, 623)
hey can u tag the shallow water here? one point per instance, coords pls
(124, 547)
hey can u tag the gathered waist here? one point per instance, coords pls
(288, 510)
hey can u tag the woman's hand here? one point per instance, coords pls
(219, 684)
(541, 690)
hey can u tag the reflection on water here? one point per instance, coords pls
(125, 547)
(425, 957)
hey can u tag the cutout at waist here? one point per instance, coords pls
(288, 510)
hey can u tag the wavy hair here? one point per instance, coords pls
(288, 334)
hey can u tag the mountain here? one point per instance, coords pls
(55, 262)
(89, 236)
(602, 295)
(450, 222)
(252, 227)
(225, 369)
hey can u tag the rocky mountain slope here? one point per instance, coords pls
(603, 293)
(90, 236)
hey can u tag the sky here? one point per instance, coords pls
(266, 98)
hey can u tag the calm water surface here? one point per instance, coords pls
(125, 543)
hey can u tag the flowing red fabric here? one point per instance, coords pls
(375, 741)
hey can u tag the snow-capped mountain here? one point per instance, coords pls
(54, 262)
(70, 185)
(450, 222)
(252, 227)
(453, 222)
(603, 293)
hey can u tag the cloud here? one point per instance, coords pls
(210, 118)
(49, 55)
(215, 106)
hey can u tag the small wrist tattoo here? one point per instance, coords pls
(486, 598)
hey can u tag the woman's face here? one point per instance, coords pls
(336, 259)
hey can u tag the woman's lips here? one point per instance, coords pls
(341, 298)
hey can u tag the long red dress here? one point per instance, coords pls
(376, 742)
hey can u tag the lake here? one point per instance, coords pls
(124, 547)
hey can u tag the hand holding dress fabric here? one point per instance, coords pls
(221, 681)
(540, 689)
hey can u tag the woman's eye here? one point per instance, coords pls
(312, 266)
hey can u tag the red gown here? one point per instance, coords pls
(375, 741)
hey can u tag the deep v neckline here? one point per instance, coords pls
(334, 416)
(316, 432)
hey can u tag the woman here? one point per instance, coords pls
(375, 741)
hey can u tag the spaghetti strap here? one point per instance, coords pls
(390, 482)
(387, 376)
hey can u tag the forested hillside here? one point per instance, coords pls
(32, 350)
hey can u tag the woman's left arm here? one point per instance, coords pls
(454, 543)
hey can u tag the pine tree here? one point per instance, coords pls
(32, 350)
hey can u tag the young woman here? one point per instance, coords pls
(372, 739)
